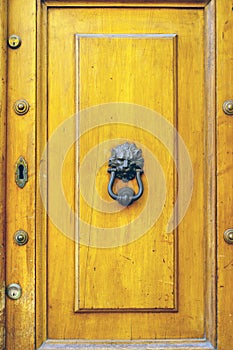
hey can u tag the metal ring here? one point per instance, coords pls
(126, 195)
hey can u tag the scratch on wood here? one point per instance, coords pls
(229, 264)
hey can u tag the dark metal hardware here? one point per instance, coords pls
(126, 163)
(21, 172)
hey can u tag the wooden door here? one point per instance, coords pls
(107, 275)
(119, 272)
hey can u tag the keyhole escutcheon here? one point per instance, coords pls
(21, 173)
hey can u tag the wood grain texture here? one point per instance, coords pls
(41, 215)
(224, 172)
(20, 260)
(210, 171)
(147, 281)
(3, 61)
(189, 321)
(21, 202)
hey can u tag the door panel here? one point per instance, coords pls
(119, 68)
(154, 59)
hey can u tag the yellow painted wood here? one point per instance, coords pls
(20, 205)
(195, 254)
(210, 168)
(41, 215)
(224, 175)
(188, 277)
(188, 322)
(129, 64)
(3, 38)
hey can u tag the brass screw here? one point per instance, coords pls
(14, 291)
(228, 107)
(228, 236)
(14, 41)
(21, 107)
(21, 237)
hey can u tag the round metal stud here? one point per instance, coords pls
(21, 107)
(14, 41)
(228, 235)
(228, 107)
(21, 237)
(14, 291)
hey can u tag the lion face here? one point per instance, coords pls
(125, 159)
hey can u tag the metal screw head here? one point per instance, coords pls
(228, 236)
(14, 291)
(14, 41)
(21, 107)
(228, 107)
(21, 237)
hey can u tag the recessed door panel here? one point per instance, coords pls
(127, 75)
(125, 68)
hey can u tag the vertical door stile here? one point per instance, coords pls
(224, 172)
(20, 201)
(3, 60)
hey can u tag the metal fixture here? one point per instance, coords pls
(228, 107)
(14, 41)
(21, 107)
(21, 172)
(14, 291)
(126, 163)
(228, 235)
(21, 237)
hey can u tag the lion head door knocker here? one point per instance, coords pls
(126, 163)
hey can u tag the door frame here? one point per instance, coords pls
(33, 46)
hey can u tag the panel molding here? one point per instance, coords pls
(79, 297)
(210, 170)
(129, 3)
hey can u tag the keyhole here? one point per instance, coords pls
(21, 172)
